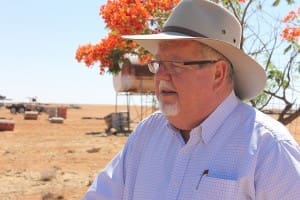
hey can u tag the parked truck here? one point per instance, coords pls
(33, 105)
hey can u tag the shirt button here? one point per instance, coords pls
(175, 184)
(184, 150)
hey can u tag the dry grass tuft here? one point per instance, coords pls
(47, 175)
(93, 150)
(51, 196)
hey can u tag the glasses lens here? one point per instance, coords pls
(153, 66)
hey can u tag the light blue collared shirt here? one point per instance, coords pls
(236, 153)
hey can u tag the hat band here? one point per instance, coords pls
(183, 31)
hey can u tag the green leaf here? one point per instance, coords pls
(276, 3)
(290, 1)
(261, 99)
(285, 84)
(259, 6)
(287, 49)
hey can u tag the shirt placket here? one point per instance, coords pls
(179, 170)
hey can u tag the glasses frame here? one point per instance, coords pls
(178, 64)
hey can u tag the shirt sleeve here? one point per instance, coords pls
(278, 172)
(109, 183)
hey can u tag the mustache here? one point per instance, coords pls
(165, 85)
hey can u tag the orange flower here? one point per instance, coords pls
(125, 17)
(291, 31)
(290, 16)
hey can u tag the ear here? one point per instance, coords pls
(220, 75)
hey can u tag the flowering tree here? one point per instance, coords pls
(290, 33)
(125, 17)
(275, 44)
(147, 16)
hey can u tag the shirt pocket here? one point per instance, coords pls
(211, 188)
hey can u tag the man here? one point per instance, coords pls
(205, 143)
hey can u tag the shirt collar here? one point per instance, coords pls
(211, 124)
(207, 129)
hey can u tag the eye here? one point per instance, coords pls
(177, 67)
(176, 64)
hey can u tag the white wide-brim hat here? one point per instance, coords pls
(215, 26)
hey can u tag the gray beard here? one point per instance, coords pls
(169, 109)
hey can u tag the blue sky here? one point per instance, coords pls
(38, 41)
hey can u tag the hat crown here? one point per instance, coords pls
(214, 26)
(201, 18)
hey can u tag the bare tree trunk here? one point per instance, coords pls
(290, 117)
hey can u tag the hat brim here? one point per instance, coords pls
(249, 76)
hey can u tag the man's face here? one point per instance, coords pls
(187, 95)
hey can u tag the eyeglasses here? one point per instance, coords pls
(176, 67)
